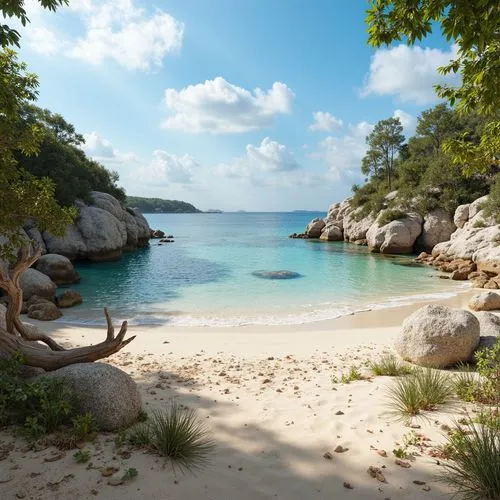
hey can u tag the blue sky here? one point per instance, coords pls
(254, 105)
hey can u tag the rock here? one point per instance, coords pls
(331, 232)
(58, 268)
(34, 282)
(476, 206)
(276, 275)
(35, 235)
(489, 326)
(108, 393)
(397, 236)
(491, 285)
(461, 215)
(314, 228)
(438, 226)
(355, 228)
(460, 274)
(156, 233)
(44, 311)
(69, 298)
(438, 336)
(487, 301)
(71, 245)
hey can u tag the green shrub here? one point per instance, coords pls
(474, 463)
(389, 365)
(390, 215)
(492, 205)
(488, 367)
(85, 427)
(176, 434)
(82, 456)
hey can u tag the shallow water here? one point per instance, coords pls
(206, 276)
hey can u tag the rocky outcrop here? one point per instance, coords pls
(102, 231)
(106, 392)
(398, 236)
(314, 228)
(438, 336)
(461, 215)
(331, 232)
(356, 227)
(34, 282)
(438, 227)
(487, 301)
(58, 268)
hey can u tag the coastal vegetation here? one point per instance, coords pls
(157, 205)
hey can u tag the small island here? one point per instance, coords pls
(157, 205)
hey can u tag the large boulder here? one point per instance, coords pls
(69, 298)
(58, 268)
(44, 311)
(331, 232)
(489, 325)
(438, 336)
(438, 226)
(398, 236)
(71, 244)
(476, 206)
(34, 282)
(356, 226)
(487, 301)
(314, 228)
(108, 393)
(461, 215)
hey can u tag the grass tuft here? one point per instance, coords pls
(474, 463)
(389, 365)
(176, 434)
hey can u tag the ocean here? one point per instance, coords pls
(211, 275)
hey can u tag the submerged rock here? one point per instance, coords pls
(438, 336)
(276, 275)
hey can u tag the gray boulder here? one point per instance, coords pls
(398, 236)
(487, 301)
(108, 393)
(109, 203)
(438, 226)
(461, 215)
(489, 325)
(356, 227)
(69, 298)
(34, 282)
(58, 268)
(71, 245)
(314, 228)
(331, 232)
(438, 336)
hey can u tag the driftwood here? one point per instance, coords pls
(15, 338)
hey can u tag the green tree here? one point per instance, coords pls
(437, 124)
(15, 9)
(473, 26)
(385, 142)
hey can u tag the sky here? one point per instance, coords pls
(253, 105)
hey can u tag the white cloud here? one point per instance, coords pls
(343, 155)
(166, 168)
(217, 106)
(408, 121)
(116, 30)
(100, 149)
(409, 73)
(325, 122)
(269, 157)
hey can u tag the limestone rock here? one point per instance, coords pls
(438, 226)
(331, 232)
(355, 228)
(34, 282)
(108, 393)
(69, 298)
(58, 268)
(487, 301)
(438, 336)
(489, 325)
(44, 311)
(398, 236)
(314, 228)
(476, 206)
(461, 215)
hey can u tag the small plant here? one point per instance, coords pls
(143, 416)
(390, 215)
(176, 434)
(466, 386)
(404, 398)
(82, 456)
(411, 439)
(475, 462)
(489, 417)
(121, 439)
(130, 474)
(85, 427)
(401, 453)
(352, 375)
(434, 387)
(389, 365)
(488, 367)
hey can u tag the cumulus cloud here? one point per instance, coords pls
(166, 168)
(117, 30)
(409, 73)
(100, 149)
(325, 122)
(408, 121)
(261, 164)
(218, 107)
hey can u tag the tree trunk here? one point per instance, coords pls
(14, 338)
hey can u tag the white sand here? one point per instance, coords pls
(267, 397)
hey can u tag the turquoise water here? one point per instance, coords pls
(205, 277)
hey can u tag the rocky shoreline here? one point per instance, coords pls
(466, 245)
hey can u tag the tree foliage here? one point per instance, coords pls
(15, 9)
(474, 27)
(157, 205)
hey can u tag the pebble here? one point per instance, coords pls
(348, 485)
(328, 455)
(382, 453)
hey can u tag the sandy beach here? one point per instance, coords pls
(267, 396)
